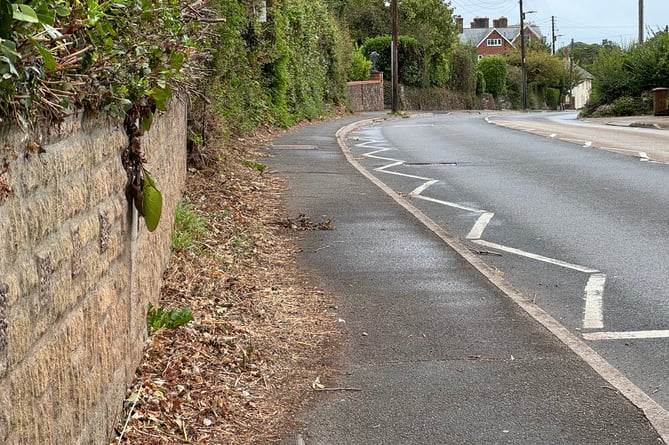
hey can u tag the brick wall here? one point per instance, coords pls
(366, 95)
(75, 278)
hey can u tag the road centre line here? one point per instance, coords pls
(594, 291)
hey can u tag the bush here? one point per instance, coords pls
(494, 70)
(625, 106)
(552, 98)
(360, 67)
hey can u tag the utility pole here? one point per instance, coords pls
(572, 102)
(522, 55)
(394, 64)
(553, 32)
(640, 22)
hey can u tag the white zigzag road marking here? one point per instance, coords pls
(594, 290)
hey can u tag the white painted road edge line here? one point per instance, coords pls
(629, 335)
(594, 290)
(655, 413)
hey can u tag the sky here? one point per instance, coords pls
(588, 21)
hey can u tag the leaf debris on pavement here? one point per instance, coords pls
(239, 372)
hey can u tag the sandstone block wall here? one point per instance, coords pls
(75, 278)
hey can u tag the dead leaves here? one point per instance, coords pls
(242, 367)
(302, 222)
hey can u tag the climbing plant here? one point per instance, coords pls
(102, 55)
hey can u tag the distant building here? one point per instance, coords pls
(495, 40)
(581, 92)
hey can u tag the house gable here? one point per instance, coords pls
(493, 43)
(498, 39)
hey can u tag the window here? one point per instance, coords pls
(494, 42)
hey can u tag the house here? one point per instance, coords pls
(495, 40)
(580, 93)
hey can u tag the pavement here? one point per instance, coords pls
(657, 122)
(438, 350)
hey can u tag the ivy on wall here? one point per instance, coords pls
(279, 71)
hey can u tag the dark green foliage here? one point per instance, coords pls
(552, 98)
(620, 74)
(611, 79)
(494, 72)
(279, 72)
(410, 58)
(463, 69)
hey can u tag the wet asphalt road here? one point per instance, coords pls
(441, 354)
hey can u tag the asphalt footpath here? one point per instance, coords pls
(435, 352)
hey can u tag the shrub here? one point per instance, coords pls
(360, 66)
(494, 70)
(625, 106)
(552, 98)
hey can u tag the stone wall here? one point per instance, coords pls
(77, 272)
(366, 95)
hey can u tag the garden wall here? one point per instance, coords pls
(77, 273)
(366, 95)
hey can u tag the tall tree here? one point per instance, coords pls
(428, 21)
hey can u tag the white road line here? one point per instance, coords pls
(448, 204)
(418, 190)
(593, 317)
(656, 414)
(534, 256)
(631, 335)
(479, 227)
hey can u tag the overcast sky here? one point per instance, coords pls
(588, 21)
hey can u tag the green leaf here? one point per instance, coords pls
(63, 10)
(145, 121)
(153, 203)
(49, 60)
(45, 15)
(24, 13)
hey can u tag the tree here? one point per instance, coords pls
(543, 71)
(494, 72)
(410, 58)
(428, 21)
(431, 23)
(463, 69)
(610, 79)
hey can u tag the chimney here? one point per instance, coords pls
(480, 23)
(459, 23)
(501, 22)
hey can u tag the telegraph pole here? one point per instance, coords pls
(522, 55)
(640, 22)
(394, 64)
(553, 31)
